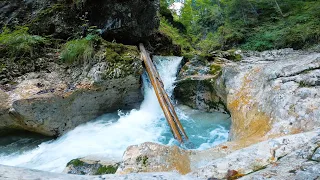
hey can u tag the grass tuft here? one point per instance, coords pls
(78, 50)
(19, 42)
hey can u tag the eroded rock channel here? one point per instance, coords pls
(260, 136)
(74, 100)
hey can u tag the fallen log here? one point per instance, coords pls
(163, 98)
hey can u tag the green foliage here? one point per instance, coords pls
(106, 170)
(19, 42)
(175, 35)
(209, 43)
(252, 24)
(75, 163)
(79, 50)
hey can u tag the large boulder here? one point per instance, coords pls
(128, 21)
(152, 157)
(92, 165)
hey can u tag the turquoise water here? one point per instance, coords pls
(204, 130)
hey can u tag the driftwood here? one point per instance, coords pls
(163, 98)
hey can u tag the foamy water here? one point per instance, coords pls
(110, 134)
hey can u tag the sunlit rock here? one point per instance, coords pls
(152, 157)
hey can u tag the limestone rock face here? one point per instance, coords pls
(273, 93)
(268, 94)
(122, 20)
(280, 154)
(295, 165)
(125, 20)
(59, 98)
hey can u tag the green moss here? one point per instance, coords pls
(116, 52)
(78, 50)
(215, 69)
(75, 163)
(20, 43)
(106, 170)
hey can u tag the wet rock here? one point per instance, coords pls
(196, 85)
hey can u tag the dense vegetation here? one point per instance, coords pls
(247, 24)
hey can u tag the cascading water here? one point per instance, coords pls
(110, 134)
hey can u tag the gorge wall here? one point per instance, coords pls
(43, 91)
(123, 21)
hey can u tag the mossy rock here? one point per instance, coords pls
(122, 60)
(76, 163)
(83, 167)
(233, 55)
(215, 69)
(116, 52)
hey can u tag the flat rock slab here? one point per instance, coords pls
(13, 173)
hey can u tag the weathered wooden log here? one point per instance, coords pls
(164, 100)
(168, 101)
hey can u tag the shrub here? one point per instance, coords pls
(174, 34)
(19, 42)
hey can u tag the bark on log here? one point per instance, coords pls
(163, 98)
